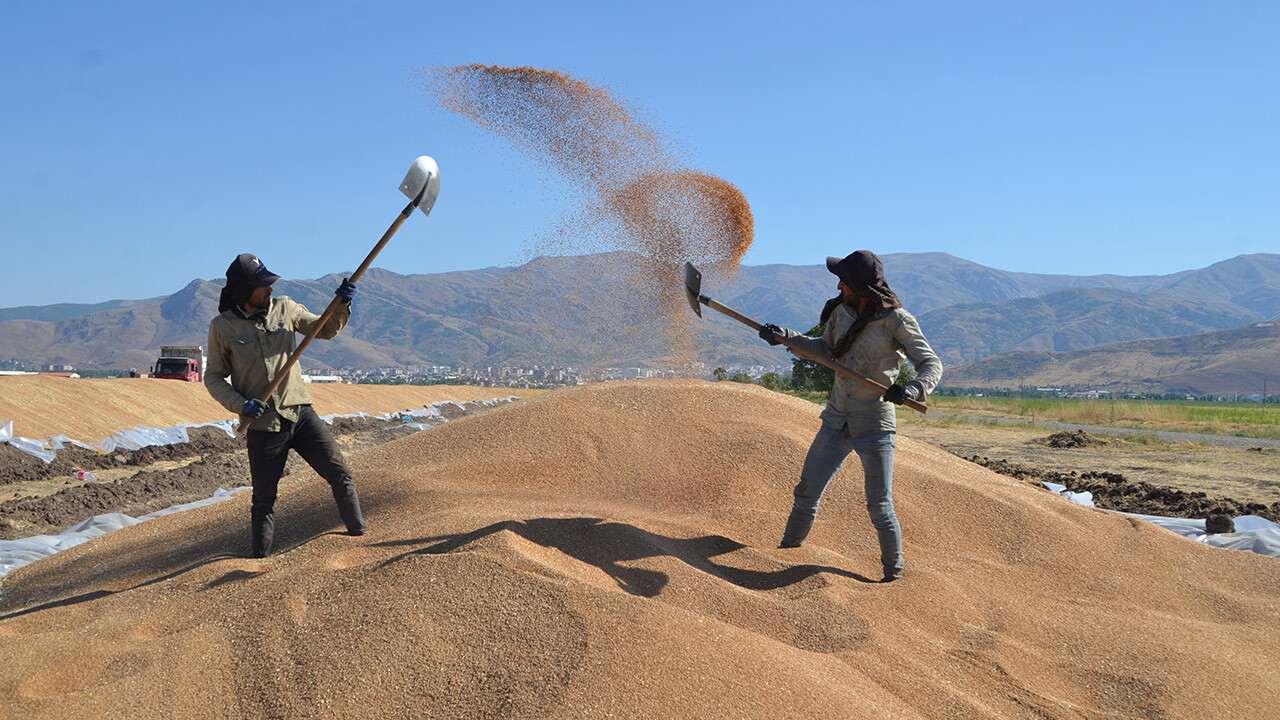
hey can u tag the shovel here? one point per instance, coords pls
(693, 291)
(422, 186)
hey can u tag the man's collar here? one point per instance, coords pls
(239, 309)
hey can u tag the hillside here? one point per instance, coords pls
(610, 550)
(587, 310)
(1072, 319)
(1225, 361)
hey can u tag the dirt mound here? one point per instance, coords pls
(610, 550)
(1070, 439)
(17, 466)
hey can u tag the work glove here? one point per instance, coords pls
(771, 334)
(898, 394)
(254, 408)
(346, 291)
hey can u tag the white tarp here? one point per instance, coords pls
(1253, 533)
(16, 553)
(430, 412)
(142, 436)
(139, 437)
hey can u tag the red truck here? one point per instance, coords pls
(180, 362)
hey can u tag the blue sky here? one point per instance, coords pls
(147, 143)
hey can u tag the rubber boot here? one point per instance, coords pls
(798, 527)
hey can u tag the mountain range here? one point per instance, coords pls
(614, 309)
(1242, 360)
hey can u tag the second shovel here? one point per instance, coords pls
(693, 291)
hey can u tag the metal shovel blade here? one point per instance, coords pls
(693, 287)
(422, 183)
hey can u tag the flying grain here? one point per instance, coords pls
(633, 194)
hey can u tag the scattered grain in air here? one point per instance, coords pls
(629, 191)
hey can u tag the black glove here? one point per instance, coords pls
(346, 291)
(254, 408)
(771, 333)
(898, 394)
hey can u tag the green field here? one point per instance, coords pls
(1253, 420)
(1241, 419)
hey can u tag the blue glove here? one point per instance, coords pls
(254, 408)
(770, 334)
(346, 291)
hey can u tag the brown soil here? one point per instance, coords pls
(1113, 491)
(1070, 438)
(610, 550)
(1133, 475)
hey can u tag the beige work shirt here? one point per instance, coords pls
(246, 354)
(877, 355)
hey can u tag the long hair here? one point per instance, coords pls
(882, 300)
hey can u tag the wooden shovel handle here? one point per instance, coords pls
(246, 421)
(801, 352)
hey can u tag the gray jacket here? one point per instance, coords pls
(877, 355)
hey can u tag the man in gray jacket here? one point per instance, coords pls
(249, 343)
(868, 332)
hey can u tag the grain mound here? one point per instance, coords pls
(609, 551)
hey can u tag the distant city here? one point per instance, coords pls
(535, 376)
(513, 376)
(550, 376)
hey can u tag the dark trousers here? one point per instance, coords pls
(311, 439)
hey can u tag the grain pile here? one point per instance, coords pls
(609, 551)
(629, 188)
(89, 410)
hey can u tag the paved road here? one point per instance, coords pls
(1229, 441)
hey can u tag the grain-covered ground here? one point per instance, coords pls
(610, 551)
(89, 410)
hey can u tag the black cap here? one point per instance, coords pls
(247, 269)
(858, 269)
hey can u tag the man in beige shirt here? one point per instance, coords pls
(249, 343)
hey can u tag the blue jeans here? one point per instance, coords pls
(826, 455)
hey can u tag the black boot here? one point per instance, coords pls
(798, 527)
(349, 508)
(263, 532)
